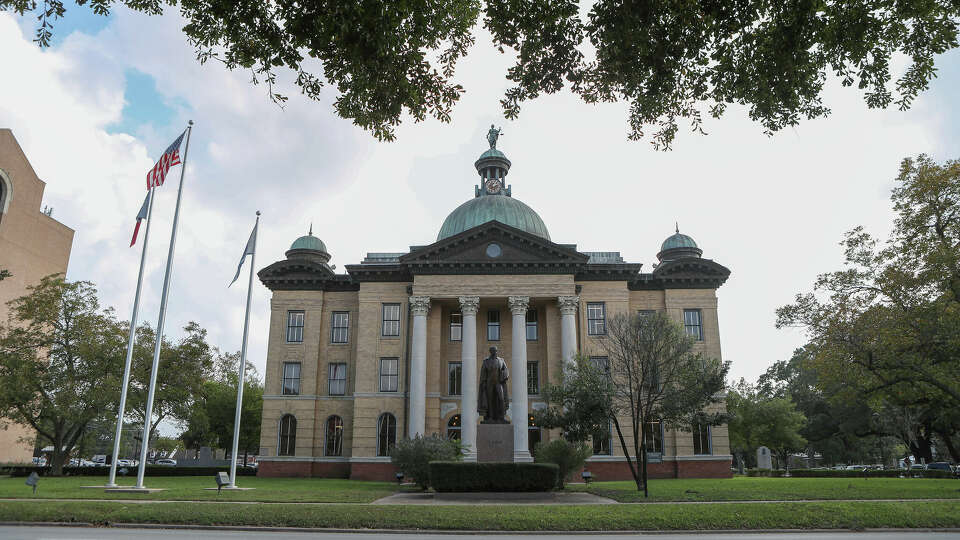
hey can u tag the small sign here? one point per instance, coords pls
(32, 481)
(654, 457)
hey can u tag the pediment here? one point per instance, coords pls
(517, 250)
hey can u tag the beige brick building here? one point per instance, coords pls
(32, 245)
(392, 347)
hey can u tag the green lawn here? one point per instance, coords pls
(829, 515)
(190, 488)
(743, 488)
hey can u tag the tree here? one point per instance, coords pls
(887, 327)
(60, 361)
(182, 369)
(581, 405)
(4, 273)
(671, 61)
(763, 420)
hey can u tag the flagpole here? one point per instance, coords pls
(158, 339)
(112, 482)
(243, 365)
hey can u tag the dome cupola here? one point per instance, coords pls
(309, 247)
(678, 246)
(493, 199)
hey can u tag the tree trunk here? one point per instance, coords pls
(623, 446)
(952, 448)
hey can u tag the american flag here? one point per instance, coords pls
(170, 157)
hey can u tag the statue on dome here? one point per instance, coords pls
(493, 134)
(493, 400)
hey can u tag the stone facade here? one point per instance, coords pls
(358, 360)
(33, 245)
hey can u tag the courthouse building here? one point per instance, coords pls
(32, 245)
(392, 347)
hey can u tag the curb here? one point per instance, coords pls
(240, 528)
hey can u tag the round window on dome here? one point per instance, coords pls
(493, 250)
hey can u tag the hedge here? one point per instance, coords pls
(451, 476)
(152, 470)
(832, 473)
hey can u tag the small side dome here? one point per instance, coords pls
(678, 246)
(308, 247)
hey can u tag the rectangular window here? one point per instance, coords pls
(294, 327)
(596, 319)
(291, 379)
(693, 322)
(391, 320)
(653, 434)
(493, 325)
(454, 378)
(456, 326)
(701, 439)
(601, 442)
(533, 378)
(601, 362)
(389, 374)
(337, 379)
(340, 328)
(531, 325)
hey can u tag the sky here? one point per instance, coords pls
(95, 111)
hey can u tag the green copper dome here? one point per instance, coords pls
(480, 210)
(678, 240)
(309, 242)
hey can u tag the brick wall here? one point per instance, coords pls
(284, 469)
(383, 472)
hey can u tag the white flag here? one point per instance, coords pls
(251, 246)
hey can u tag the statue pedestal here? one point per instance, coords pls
(495, 442)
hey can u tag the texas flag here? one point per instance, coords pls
(141, 215)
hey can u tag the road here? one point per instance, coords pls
(90, 533)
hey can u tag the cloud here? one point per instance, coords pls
(772, 209)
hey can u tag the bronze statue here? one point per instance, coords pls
(493, 134)
(493, 399)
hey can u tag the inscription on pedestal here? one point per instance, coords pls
(495, 442)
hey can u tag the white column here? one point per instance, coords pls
(420, 306)
(568, 327)
(468, 383)
(518, 376)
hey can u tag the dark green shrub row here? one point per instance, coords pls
(830, 473)
(448, 476)
(152, 470)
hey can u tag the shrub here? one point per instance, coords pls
(413, 456)
(568, 457)
(447, 476)
(832, 473)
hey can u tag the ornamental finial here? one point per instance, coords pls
(311, 229)
(677, 224)
(493, 134)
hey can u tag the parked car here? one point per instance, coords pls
(40, 461)
(166, 462)
(856, 467)
(940, 466)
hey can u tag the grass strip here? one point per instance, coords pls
(778, 489)
(819, 515)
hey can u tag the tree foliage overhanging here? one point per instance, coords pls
(671, 61)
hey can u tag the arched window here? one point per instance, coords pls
(453, 427)
(386, 433)
(334, 446)
(6, 192)
(288, 436)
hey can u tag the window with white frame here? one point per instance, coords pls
(386, 433)
(532, 325)
(701, 439)
(454, 378)
(601, 442)
(653, 434)
(340, 327)
(456, 326)
(294, 326)
(334, 439)
(533, 378)
(493, 325)
(693, 323)
(291, 379)
(389, 374)
(337, 379)
(596, 318)
(287, 437)
(391, 320)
